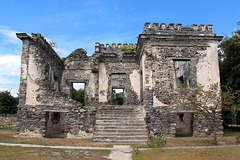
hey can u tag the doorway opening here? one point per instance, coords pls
(117, 96)
(184, 124)
(78, 92)
(55, 124)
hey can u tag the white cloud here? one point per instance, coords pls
(13, 91)
(9, 34)
(61, 51)
(10, 65)
(88, 43)
(5, 80)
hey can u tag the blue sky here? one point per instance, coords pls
(76, 24)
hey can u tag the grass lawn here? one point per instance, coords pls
(229, 137)
(8, 136)
(18, 153)
(232, 131)
(192, 141)
(230, 153)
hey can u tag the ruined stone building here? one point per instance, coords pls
(147, 73)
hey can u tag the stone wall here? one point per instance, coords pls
(203, 127)
(164, 57)
(185, 123)
(8, 119)
(160, 121)
(171, 55)
(118, 70)
(79, 68)
(42, 75)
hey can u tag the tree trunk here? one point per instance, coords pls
(215, 135)
(214, 130)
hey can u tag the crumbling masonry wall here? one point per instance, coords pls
(40, 92)
(118, 69)
(148, 72)
(162, 50)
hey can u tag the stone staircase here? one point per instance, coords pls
(120, 124)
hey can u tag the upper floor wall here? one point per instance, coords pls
(172, 55)
(148, 71)
(41, 70)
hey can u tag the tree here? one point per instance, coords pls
(78, 95)
(117, 98)
(229, 63)
(206, 102)
(53, 44)
(8, 103)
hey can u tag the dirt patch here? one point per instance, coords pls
(9, 153)
(8, 136)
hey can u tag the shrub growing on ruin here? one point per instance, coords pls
(156, 142)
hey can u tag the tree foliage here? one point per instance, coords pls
(78, 95)
(117, 98)
(207, 102)
(129, 49)
(229, 62)
(53, 44)
(8, 103)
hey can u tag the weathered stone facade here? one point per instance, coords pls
(163, 57)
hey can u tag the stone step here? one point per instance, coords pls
(120, 130)
(121, 141)
(119, 115)
(119, 112)
(144, 138)
(121, 134)
(120, 121)
(125, 119)
(118, 106)
(119, 127)
(119, 118)
(120, 124)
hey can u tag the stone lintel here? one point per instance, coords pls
(181, 59)
(55, 111)
(23, 36)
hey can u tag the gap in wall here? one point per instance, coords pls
(78, 92)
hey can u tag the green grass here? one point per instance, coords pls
(181, 134)
(10, 126)
(230, 153)
(231, 131)
(9, 153)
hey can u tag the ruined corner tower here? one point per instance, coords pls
(146, 73)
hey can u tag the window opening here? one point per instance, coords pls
(182, 71)
(181, 79)
(181, 117)
(117, 96)
(78, 92)
(56, 117)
